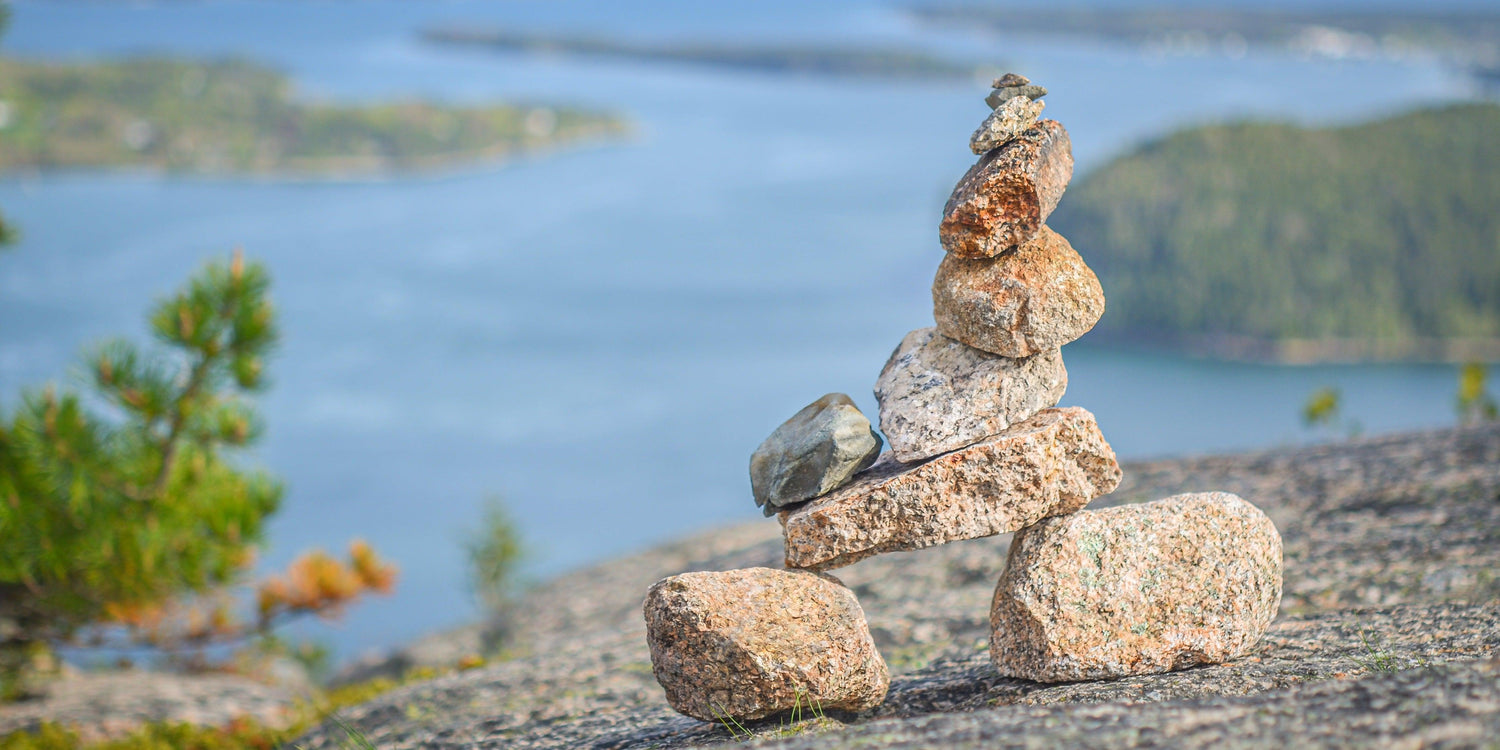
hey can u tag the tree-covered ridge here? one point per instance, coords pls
(1379, 239)
(233, 116)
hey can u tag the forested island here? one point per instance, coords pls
(239, 117)
(852, 61)
(1274, 241)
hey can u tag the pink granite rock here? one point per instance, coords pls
(1004, 198)
(1053, 463)
(1136, 589)
(1022, 303)
(745, 644)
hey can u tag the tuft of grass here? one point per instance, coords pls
(731, 725)
(353, 737)
(1376, 660)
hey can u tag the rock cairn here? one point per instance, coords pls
(978, 447)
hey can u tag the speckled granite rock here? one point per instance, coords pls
(814, 452)
(1008, 80)
(937, 395)
(1004, 198)
(746, 644)
(1139, 589)
(1051, 464)
(1035, 299)
(1013, 117)
(1377, 533)
(1006, 93)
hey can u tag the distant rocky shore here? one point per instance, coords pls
(1389, 624)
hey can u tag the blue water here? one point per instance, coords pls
(603, 336)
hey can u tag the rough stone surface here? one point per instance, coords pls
(1138, 589)
(110, 705)
(814, 452)
(1378, 533)
(937, 395)
(1452, 705)
(1009, 120)
(1008, 80)
(1001, 95)
(746, 644)
(1004, 198)
(1051, 464)
(1035, 299)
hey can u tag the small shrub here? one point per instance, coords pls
(495, 554)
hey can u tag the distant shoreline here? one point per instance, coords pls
(845, 61)
(1297, 352)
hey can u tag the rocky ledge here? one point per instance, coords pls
(1388, 632)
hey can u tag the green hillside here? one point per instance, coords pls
(1271, 240)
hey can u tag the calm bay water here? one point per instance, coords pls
(602, 336)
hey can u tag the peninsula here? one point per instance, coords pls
(236, 117)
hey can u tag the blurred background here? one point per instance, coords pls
(583, 256)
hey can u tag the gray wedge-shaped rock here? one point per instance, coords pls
(1136, 589)
(1003, 199)
(937, 395)
(1032, 300)
(1051, 464)
(1012, 118)
(814, 452)
(746, 644)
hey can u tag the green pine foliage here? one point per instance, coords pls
(1386, 232)
(131, 494)
(495, 553)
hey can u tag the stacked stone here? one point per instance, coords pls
(978, 448)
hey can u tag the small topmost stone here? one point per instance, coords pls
(1010, 79)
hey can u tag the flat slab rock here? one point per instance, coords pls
(1051, 464)
(937, 395)
(1003, 199)
(746, 644)
(814, 452)
(1378, 534)
(1136, 589)
(1026, 302)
